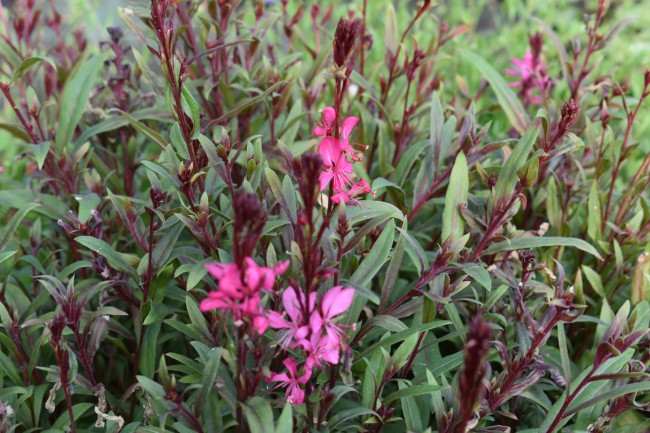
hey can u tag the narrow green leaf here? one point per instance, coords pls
(523, 243)
(594, 214)
(245, 104)
(480, 275)
(508, 175)
(115, 259)
(413, 391)
(7, 232)
(6, 254)
(393, 269)
(259, 415)
(150, 133)
(29, 63)
(564, 355)
(285, 421)
(436, 124)
(74, 98)
(148, 354)
(619, 391)
(594, 279)
(505, 95)
(391, 38)
(40, 151)
(457, 192)
(402, 335)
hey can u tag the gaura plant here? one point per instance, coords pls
(276, 216)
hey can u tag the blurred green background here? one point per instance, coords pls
(499, 30)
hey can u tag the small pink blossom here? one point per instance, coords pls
(533, 77)
(292, 380)
(239, 290)
(344, 142)
(320, 348)
(326, 125)
(338, 155)
(361, 187)
(337, 168)
(336, 301)
(296, 330)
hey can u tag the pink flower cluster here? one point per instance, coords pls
(312, 328)
(305, 324)
(239, 290)
(531, 71)
(338, 156)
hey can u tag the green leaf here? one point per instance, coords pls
(390, 277)
(209, 377)
(40, 151)
(369, 267)
(29, 63)
(369, 209)
(115, 259)
(245, 104)
(553, 212)
(480, 275)
(7, 232)
(74, 98)
(285, 422)
(401, 336)
(391, 38)
(505, 95)
(376, 258)
(259, 415)
(87, 202)
(564, 355)
(148, 352)
(436, 124)
(523, 243)
(457, 192)
(162, 172)
(407, 160)
(151, 134)
(77, 411)
(508, 174)
(594, 214)
(5, 255)
(413, 391)
(345, 415)
(613, 365)
(402, 353)
(619, 391)
(595, 280)
(192, 109)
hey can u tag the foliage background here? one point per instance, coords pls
(498, 31)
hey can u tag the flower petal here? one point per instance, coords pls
(346, 127)
(336, 301)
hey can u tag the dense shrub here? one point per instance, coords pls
(309, 216)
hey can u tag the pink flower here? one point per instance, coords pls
(344, 142)
(296, 331)
(262, 278)
(338, 155)
(321, 348)
(533, 77)
(361, 187)
(338, 169)
(335, 302)
(295, 394)
(242, 296)
(325, 126)
(2, 169)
